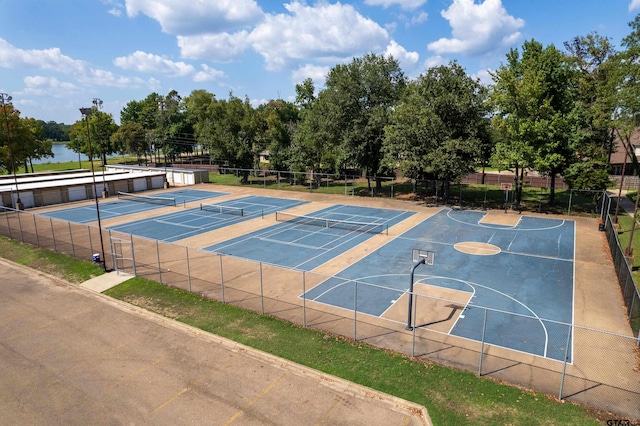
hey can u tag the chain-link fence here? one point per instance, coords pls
(628, 286)
(579, 364)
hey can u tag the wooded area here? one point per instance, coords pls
(554, 111)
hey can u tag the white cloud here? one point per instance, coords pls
(405, 4)
(484, 77)
(325, 32)
(434, 61)
(635, 4)
(154, 84)
(407, 60)
(478, 28)
(53, 60)
(147, 62)
(47, 59)
(419, 18)
(317, 73)
(208, 74)
(96, 77)
(50, 86)
(221, 47)
(198, 16)
(116, 7)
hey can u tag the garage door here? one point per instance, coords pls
(140, 184)
(77, 193)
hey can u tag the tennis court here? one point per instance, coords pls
(126, 204)
(305, 242)
(204, 218)
(524, 274)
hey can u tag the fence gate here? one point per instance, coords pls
(122, 255)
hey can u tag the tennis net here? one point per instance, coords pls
(369, 228)
(222, 209)
(163, 201)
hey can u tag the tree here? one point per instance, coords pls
(438, 127)
(101, 127)
(316, 135)
(534, 98)
(359, 98)
(20, 140)
(130, 138)
(593, 57)
(278, 118)
(174, 128)
(232, 135)
(196, 107)
(55, 131)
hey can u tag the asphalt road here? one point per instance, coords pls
(73, 356)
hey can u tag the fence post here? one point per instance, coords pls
(413, 326)
(564, 367)
(35, 228)
(158, 253)
(261, 291)
(6, 211)
(73, 249)
(53, 235)
(90, 241)
(20, 226)
(304, 300)
(355, 312)
(484, 329)
(133, 255)
(186, 249)
(221, 278)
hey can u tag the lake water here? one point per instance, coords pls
(62, 154)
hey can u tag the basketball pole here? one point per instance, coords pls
(413, 269)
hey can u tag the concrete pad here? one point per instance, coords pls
(106, 281)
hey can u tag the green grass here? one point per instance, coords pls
(73, 165)
(451, 396)
(474, 196)
(56, 264)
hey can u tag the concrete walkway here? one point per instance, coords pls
(626, 204)
(69, 355)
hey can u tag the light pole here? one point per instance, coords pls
(4, 100)
(164, 143)
(97, 105)
(86, 112)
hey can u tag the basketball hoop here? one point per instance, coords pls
(505, 186)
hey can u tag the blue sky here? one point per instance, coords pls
(57, 55)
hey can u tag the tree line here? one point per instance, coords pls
(556, 111)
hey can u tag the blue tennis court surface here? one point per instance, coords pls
(304, 246)
(114, 208)
(527, 283)
(187, 223)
